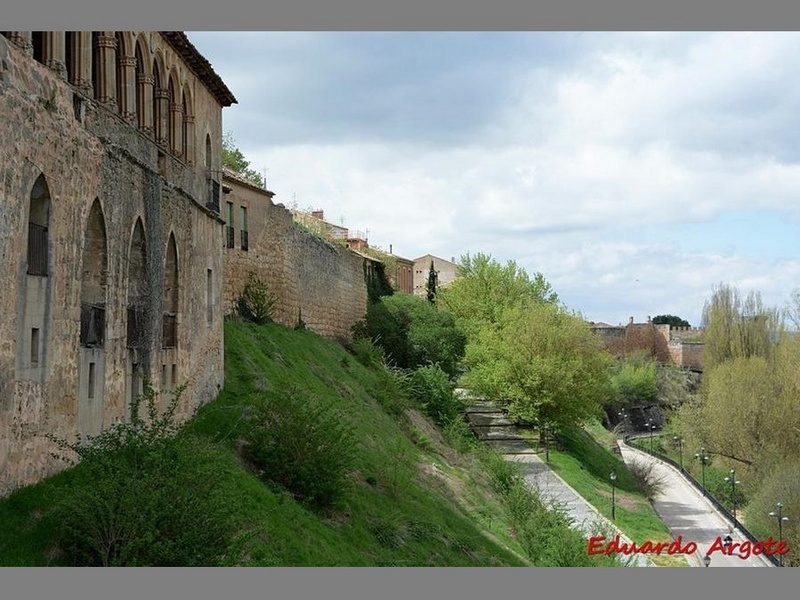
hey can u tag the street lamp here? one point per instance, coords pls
(679, 440)
(707, 559)
(778, 514)
(651, 426)
(547, 442)
(703, 458)
(613, 499)
(733, 482)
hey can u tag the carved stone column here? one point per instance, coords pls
(160, 121)
(127, 99)
(81, 50)
(106, 70)
(54, 52)
(145, 107)
(176, 133)
(188, 123)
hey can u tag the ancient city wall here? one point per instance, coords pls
(312, 280)
(121, 220)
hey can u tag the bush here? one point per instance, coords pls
(431, 387)
(648, 483)
(257, 303)
(303, 445)
(413, 333)
(146, 496)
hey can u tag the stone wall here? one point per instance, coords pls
(644, 337)
(664, 344)
(114, 203)
(316, 281)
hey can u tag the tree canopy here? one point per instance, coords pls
(670, 320)
(543, 363)
(737, 326)
(484, 288)
(524, 350)
(234, 159)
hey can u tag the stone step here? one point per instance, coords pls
(496, 433)
(487, 420)
(510, 446)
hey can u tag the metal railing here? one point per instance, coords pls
(169, 331)
(37, 249)
(717, 504)
(244, 239)
(136, 327)
(213, 196)
(93, 325)
(229, 236)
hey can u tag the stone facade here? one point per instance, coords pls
(323, 284)
(667, 345)
(111, 238)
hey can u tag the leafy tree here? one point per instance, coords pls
(413, 333)
(544, 363)
(431, 285)
(782, 485)
(737, 327)
(670, 320)
(233, 158)
(635, 380)
(484, 289)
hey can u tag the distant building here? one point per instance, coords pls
(681, 346)
(446, 272)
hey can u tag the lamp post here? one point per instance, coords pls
(707, 559)
(703, 458)
(547, 442)
(778, 515)
(613, 499)
(733, 482)
(651, 426)
(679, 440)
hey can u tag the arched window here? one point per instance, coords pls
(37, 39)
(208, 155)
(169, 337)
(160, 109)
(140, 73)
(173, 118)
(137, 288)
(93, 280)
(184, 145)
(97, 64)
(38, 221)
(122, 78)
(70, 56)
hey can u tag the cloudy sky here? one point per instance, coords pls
(635, 171)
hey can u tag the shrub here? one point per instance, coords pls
(146, 495)
(648, 483)
(413, 333)
(303, 445)
(431, 387)
(256, 303)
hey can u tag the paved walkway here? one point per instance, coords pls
(687, 513)
(491, 427)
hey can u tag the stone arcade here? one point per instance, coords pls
(111, 240)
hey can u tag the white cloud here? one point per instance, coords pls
(562, 163)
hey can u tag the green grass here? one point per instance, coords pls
(585, 461)
(398, 509)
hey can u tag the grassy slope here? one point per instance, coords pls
(586, 463)
(409, 504)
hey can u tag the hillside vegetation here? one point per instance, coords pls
(310, 456)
